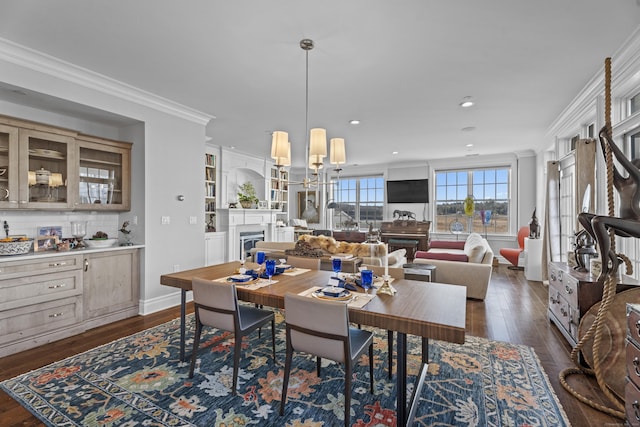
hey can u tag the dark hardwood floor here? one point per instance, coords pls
(515, 311)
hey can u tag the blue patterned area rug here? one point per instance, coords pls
(139, 381)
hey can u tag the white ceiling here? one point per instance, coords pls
(401, 67)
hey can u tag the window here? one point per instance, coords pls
(489, 188)
(634, 104)
(359, 200)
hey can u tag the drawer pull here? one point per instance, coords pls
(61, 285)
(636, 364)
(553, 277)
(56, 314)
(564, 312)
(636, 407)
(568, 289)
(638, 327)
(57, 264)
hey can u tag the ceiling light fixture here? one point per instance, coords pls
(466, 102)
(316, 149)
(354, 122)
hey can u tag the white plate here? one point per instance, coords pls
(99, 243)
(240, 278)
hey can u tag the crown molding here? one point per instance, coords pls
(52, 66)
(625, 63)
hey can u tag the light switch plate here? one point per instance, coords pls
(166, 220)
(193, 220)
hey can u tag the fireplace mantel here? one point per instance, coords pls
(234, 221)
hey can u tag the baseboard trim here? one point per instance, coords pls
(160, 303)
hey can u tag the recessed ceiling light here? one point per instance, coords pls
(468, 129)
(394, 152)
(466, 102)
(469, 145)
(354, 122)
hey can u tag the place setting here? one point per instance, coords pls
(344, 288)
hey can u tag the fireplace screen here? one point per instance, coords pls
(248, 241)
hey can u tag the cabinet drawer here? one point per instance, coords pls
(632, 404)
(41, 288)
(633, 363)
(560, 308)
(11, 269)
(555, 277)
(633, 326)
(24, 322)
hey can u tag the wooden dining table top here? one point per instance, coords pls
(426, 309)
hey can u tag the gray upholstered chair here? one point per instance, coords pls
(396, 273)
(321, 328)
(304, 262)
(216, 305)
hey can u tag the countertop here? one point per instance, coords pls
(49, 254)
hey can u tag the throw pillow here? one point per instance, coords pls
(476, 253)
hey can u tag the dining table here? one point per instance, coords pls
(424, 309)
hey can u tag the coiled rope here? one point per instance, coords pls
(609, 291)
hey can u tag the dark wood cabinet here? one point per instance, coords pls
(571, 295)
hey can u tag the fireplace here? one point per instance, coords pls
(248, 241)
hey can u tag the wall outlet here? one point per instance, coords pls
(134, 221)
(166, 220)
(176, 268)
(193, 220)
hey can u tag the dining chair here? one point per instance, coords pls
(216, 305)
(304, 262)
(396, 273)
(321, 328)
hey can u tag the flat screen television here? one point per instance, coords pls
(408, 191)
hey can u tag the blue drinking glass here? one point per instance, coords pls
(336, 263)
(270, 268)
(366, 277)
(260, 257)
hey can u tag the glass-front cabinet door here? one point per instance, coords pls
(45, 174)
(103, 175)
(8, 167)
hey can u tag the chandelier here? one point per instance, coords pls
(316, 149)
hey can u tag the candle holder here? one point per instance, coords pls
(386, 287)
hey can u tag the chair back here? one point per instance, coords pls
(327, 233)
(216, 303)
(304, 262)
(317, 327)
(395, 272)
(522, 233)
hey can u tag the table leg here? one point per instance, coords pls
(425, 350)
(401, 379)
(183, 321)
(406, 412)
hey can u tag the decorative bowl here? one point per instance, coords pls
(99, 243)
(15, 247)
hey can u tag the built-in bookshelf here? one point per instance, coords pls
(279, 197)
(210, 192)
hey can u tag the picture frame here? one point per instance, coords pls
(45, 243)
(308, 207)
(50, 230)
(262, 204)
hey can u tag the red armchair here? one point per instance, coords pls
(513, 254)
